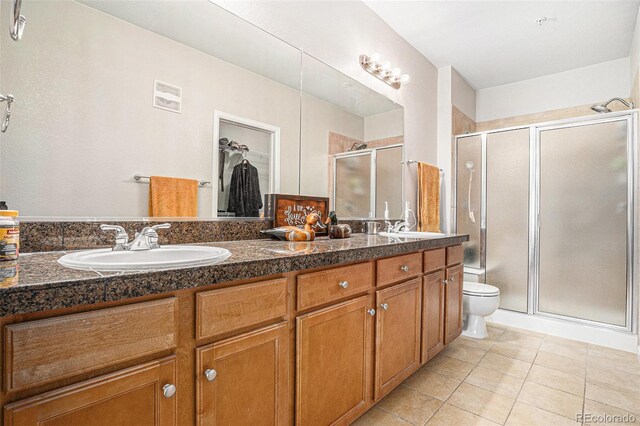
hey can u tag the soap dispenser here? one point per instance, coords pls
(408, 217)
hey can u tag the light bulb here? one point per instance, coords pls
(385, 65)
(396, 72)
(375, 58)
(404, 79)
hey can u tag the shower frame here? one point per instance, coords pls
(633, 185)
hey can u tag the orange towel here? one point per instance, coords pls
(173, 197)
(428, 198)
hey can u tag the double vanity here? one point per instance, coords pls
(279, 333)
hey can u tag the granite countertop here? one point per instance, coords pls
(43, 284)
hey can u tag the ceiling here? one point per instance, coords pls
(492, 43)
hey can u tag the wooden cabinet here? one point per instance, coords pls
(334, 363)
(398, 325)
(46, 350)
(358, 331)
(453, 300)
(398, 268)
(134, 397)
(234, 308)
(245, 380)
(433, 309)
(333, 284)
(454, 255)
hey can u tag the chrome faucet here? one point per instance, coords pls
(396, 227)
(147, 239)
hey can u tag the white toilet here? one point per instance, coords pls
(478, 301)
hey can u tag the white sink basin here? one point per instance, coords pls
(412, 234)
(162, 258)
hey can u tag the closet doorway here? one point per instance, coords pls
(240, 143)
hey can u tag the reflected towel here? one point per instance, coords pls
(428, 198)
(173, 197)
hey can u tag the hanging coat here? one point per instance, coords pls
(245, 199)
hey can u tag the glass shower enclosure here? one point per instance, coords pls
(549, 209)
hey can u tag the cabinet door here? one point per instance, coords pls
(433, 298)
(453, 304)
(334, 363)
(244, 380)
(131, 397)
(398, 324)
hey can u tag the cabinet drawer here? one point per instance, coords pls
(454, 255)
(334, 284)
(42, 351)
(434, 260)
(131, 396)
(229, 309)
(399, 268)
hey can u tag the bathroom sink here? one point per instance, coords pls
(412, 234)
(160, 258)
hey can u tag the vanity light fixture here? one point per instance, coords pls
(383, 71)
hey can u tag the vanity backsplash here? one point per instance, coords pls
(38, 236)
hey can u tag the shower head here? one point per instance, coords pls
(358, 146)
(602, 108)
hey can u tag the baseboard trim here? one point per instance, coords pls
(556, 327)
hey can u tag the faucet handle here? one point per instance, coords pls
(161, 226)
(121, 235)
(152, 235)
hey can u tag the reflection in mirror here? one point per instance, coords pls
(351, 143)
(106, 90)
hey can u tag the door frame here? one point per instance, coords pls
(274, 151)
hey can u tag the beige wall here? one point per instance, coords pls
(580, 86)
(337, 33)
(384, 125)
(320, 118)
(83, 122)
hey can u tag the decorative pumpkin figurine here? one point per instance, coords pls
(335, 230)
(293, 233)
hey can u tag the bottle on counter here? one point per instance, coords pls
(9, 235)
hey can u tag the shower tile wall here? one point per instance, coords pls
(540, 117)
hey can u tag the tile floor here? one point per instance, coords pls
(516, 377)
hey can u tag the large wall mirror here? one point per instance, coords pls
(352, 143)
(106, 90)
(108, 93)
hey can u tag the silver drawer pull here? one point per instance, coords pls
(210, 374)
(344, 284)
(371, 312)
(385, 306)
(404, 268)
(168, 390)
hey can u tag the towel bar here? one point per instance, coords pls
(414, 162)
(200, 183)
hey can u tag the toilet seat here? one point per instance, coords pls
(479, 290)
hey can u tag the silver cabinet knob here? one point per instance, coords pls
(385, 306)
(445, 282)
(210, 374)
(371, 312)
(452, 279)
(404, 268)
(168, 390)
(344, 284)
